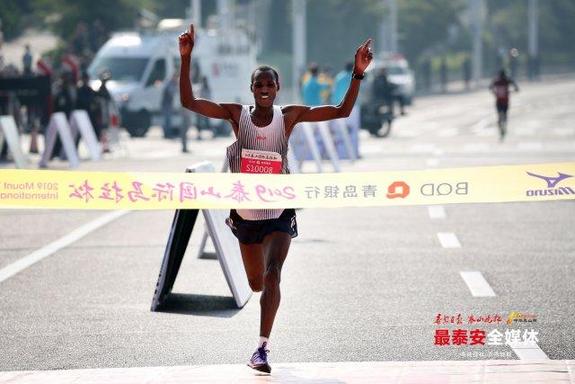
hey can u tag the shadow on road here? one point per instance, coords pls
(200, 305)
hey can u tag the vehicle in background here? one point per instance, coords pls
(401, 75)
(377, 117)
(141, 63)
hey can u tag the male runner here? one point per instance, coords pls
(263, 129)
(500, 88)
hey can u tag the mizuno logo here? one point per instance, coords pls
(551, 181)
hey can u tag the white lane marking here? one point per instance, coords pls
(433, 162)
(477, 284)
(448, 240)
(436, 212)
(42, 253)
(528, 351)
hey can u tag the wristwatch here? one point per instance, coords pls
(358, 76)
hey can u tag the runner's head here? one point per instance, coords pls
(502, 74)
(265, 85)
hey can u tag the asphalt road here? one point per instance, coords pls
(358, 285)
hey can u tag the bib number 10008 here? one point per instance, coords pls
(254, 161)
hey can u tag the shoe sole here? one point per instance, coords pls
(262, 368)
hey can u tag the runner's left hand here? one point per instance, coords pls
(363, 57)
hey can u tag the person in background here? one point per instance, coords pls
(466, 72)
(205, 93)
(426, 72)
(103, 100)
(325, 77)
(443, 74)
(340, 85)
(168, 94)
(500, 89)
(383, 90)
(86, 100)
(27, 61)
(312, 87)
(64, 101)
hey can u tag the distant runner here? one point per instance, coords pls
(500, 88)
(262, 131)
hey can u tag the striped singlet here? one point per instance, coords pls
(271, 138)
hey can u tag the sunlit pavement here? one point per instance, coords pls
(428, 372)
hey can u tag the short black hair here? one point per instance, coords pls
(313, 69)
(266, 68)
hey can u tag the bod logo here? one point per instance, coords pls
(445, 189)
(552, 182)
(398, 189)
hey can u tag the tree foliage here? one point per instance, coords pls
(334, 27)
(14, 14)
(424, 25)
(113, 14)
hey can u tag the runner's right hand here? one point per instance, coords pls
(187, 40)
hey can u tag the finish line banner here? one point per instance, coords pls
(143, 191)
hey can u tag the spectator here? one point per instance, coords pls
(205, 93)
(466, 72)
(443, 74)
(312, 88)
(426, 69)
(64, 101)
(104, 99)
(86, 100)
(27, 61)
(168, 94)
(513, 62)
(341, 84)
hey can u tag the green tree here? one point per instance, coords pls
(507, 27)
(335, 28)
(14, 15)
(424, 25)
(113, 14)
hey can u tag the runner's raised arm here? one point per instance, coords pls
(225, 111)
(300, 113)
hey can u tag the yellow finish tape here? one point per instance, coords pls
(141, 190)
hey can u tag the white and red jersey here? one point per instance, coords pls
(259, 150)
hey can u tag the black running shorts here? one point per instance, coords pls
(254, 231)
(502, 107)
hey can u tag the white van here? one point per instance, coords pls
(141, 63)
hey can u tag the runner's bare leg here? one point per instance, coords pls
(276, 246)
(253, 257)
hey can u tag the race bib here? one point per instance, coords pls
(254, 161)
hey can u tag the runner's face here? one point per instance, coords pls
(264, 88)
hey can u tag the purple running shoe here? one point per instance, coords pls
(259, 360)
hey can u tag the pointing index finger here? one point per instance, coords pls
(367, 43)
